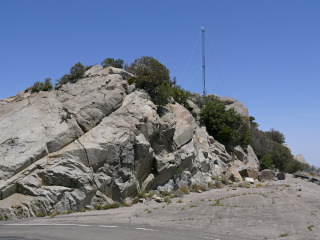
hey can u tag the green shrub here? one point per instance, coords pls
(180, 95)
(153, 77)
(54, 214)
(41, 86)
(110, 206)
(77, 72)
(41, 214)
(197, 188)
(67, 212)
(281, 156)
(294, 166)
(266, 163)
(224, 125)
(111, 62)
(184, 189)
(135, 200)
(142, 194)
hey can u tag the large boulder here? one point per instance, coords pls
(184, 125)
(281, 176)
(267, 175)
(233, 174)
(248, 172)
(237, 106)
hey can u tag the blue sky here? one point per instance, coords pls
(264, 53)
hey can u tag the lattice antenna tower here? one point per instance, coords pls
(203, 62)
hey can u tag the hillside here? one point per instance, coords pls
(101, 140)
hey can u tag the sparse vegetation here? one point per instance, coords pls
(184, 190)
(106, 207)
(167, 200)
(283, 235)
(41, 86)
(197, 188)
(310, 227)
(41, 214)
(76, 73)
(67, 212)
(54, 214)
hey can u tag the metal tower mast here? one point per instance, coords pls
(203, 62)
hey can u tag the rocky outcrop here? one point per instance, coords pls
(300, 158)
(237, 106)
(97, 141)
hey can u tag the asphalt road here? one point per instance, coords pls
(13, 231)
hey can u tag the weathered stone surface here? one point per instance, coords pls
(148, 182)
(267, 174)
(233, 174)
(98, 141)
(184, 125)
(248, 172)
(183, 179)
(237, 106)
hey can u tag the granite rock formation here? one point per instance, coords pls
(97, 141)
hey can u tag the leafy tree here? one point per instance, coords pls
(294, 166)
(179, 95)
(223, 124)
(281, 156)
(266, 162)
(149, 69)
(261, 143)
(276, 136)
(153, 77)
(111, 62)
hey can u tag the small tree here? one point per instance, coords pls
(276, 136)
(223, 124)
(77, 72)
(266, 163)
(153, 77)
(42, 86)
(281, 156)
(111, 62)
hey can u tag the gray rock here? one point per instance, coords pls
(237, 106)
(97, 141)
(267, 175)
(183, 179)
(248, 172)
(184, 125)
(281, 176)
(148, 182)
(233, 174)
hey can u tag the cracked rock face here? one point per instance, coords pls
(97, 141)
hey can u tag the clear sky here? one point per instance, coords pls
(264, 53)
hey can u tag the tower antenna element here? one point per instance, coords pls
(203, 62)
